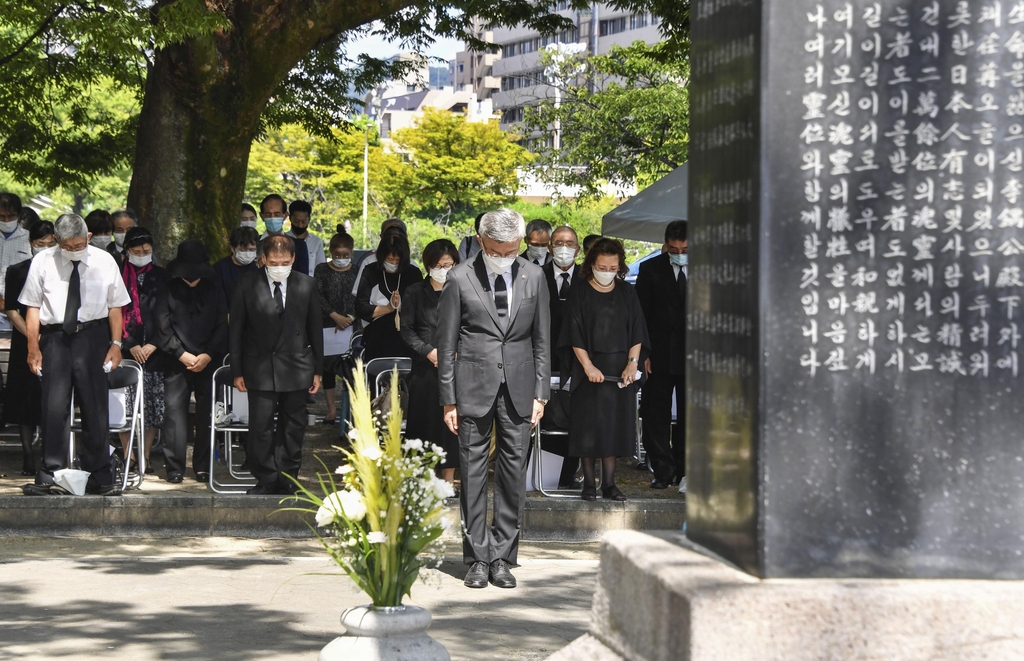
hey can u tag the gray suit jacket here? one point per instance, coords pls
(468, 328)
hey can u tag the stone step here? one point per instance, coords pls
(205, 514)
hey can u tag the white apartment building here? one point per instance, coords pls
(519, 68)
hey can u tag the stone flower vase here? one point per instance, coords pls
(396, 633)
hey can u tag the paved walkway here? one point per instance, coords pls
(222, 599)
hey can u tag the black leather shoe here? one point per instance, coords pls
(501, 576)
(104, 490)
(174, 478)
(259, 490)
(202, 478)
(36, 489)
(477, 576)
(659, 484)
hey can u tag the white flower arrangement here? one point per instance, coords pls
(383, 522)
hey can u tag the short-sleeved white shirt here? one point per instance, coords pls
(47, 285)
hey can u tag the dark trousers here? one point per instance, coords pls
(273, 452)
(500, 540)
(178, 387)
(76, 361)
(665, 454)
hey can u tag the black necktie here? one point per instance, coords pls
(563, 291)
(279, 298)
(74, 301)
(501, 296)
(681, 282)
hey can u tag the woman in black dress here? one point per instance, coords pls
(605, 330)
(379, 298)
(334, 281)
(419, 322)
(144, 281)
(23, 395)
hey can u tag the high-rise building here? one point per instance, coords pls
(472, 70)
(519, 69)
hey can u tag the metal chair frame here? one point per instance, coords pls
(538, 464)
(403, 364)
(225, 393)
(135, 426)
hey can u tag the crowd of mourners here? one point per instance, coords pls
(88, 291)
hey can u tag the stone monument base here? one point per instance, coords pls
(659, 598)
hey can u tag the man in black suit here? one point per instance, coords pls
(661, 288)
(538, 235)
(561, 273)
(277, 357)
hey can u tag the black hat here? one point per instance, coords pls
(192, 262)
(137, 236)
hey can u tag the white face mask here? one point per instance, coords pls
(8, 226)
(390, 268)
(564, 257)
(498, 265)
(74, 255)
(604, 278)
(138, 261)
(341, 263)
(279, 273)
(439, 275)
(245, 257)
(100, 240)
(536, 253)
(248, 223)
(38, 249)
(119, 238)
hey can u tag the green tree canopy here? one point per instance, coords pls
(460, 165)
(623, 118)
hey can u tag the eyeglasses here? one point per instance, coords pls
(565, 244)
(513, 253)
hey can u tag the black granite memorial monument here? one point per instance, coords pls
(856, 406)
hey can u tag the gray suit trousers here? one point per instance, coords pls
(500, 540)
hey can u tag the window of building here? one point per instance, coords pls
(612, 26)
(508, 50)
(461, 67)
(410, 88)
(637, 21)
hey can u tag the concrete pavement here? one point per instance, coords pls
(220, 599)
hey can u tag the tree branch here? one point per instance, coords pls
(43, 27)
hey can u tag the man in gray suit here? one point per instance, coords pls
(492, 351)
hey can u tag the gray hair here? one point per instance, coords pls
(503, 226)
(564, 228)
(538, 225)
(70, 226)
(124, 212)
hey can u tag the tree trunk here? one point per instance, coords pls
(202, 107)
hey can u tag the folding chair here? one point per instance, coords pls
(539, 432)
(224, 393)
(378, 371)
(128, 375)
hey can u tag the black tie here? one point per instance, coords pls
(278, 298)
(501, 296)
(563, 291)
(681, 282)
(74, 301)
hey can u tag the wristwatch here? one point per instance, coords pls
(633, 360)
(119, 344)
(542, 401)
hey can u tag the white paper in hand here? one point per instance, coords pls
(377, 297)
(337, 342)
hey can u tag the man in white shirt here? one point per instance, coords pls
(74, 296)
(14, 245)
(299, 212)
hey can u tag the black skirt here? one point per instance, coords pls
(602, 416)
(24, 393)
(426, 415)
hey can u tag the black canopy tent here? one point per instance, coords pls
(644, 216)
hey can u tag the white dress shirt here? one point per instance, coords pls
(675, 269)
(46, 287)
(284, 288)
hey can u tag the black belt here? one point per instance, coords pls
(59, 328)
